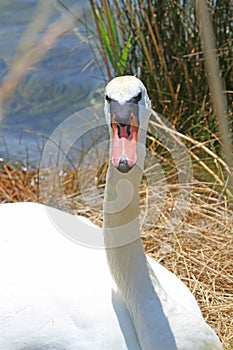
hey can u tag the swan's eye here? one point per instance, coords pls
(136, 99)
(108, 98)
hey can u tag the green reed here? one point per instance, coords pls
(164, 44)
(163, 40)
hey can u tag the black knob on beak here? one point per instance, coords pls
(123, 166)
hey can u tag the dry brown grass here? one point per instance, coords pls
(17, 184)
(199, 250)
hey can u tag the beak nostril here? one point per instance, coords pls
(119, 130)
(128, 130)
(123, 130)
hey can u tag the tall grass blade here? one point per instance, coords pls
(216, 86)
(124, 56)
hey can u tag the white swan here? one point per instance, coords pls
(55, 294)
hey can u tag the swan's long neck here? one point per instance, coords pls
(126, 258)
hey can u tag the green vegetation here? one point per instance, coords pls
(110, 39)
(161, 40)
(165, 44)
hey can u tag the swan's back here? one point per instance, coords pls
(54, 293)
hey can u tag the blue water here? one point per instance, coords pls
(54, 88)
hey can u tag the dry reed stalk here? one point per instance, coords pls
(121, 24)
(103, 51)
(159, 124)
(216, 85)
(157, 43)
(144, 45)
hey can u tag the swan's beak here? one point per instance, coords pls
(124, 143)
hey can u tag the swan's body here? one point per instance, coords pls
(56, 294)
(50, 299)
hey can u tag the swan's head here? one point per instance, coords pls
(126, 110)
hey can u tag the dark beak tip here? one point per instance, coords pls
(124, 166)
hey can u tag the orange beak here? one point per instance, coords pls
(124, 144)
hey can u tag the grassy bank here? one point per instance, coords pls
(199, 250)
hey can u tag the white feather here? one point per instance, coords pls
(56, 294)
